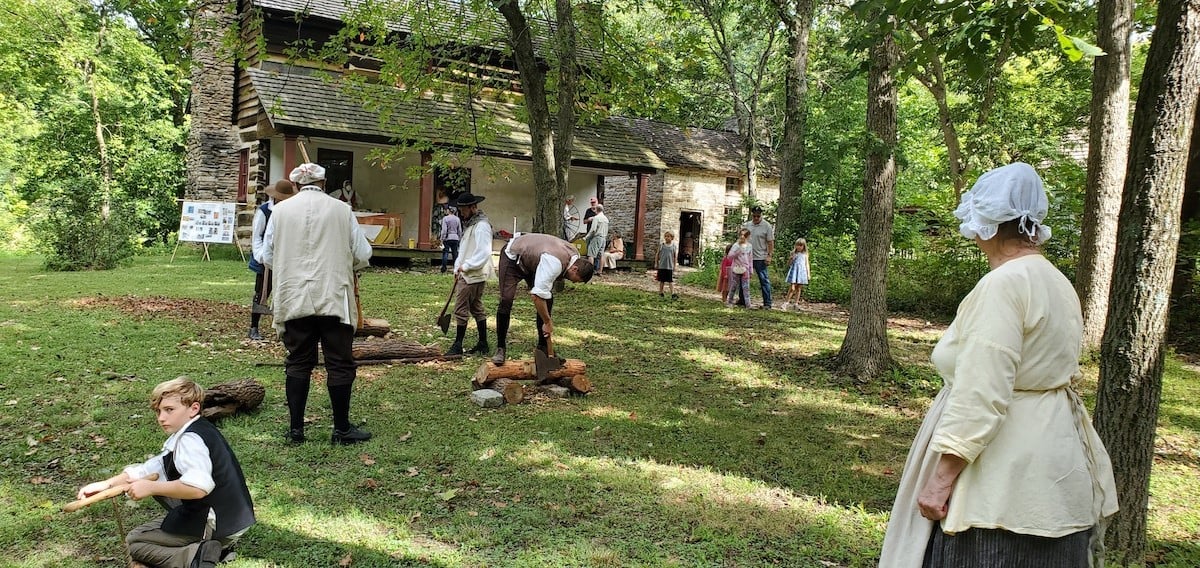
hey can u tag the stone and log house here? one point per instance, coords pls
(254, 118)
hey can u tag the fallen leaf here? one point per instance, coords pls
(39, 480)
(405, 437)
(413, 472)
(30, 441)
(369, 483)
(346, 560)
(448, 494)
(472, 513)
(487, 455)
(633, 416)
(499, 504)
(367, 459)
(11, 403)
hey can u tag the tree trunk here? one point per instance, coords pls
(513, 392)
(1189, 244)
(934, 79)
(373, 327)
(568, 87)
(577, 383)
(1108, 153)
(547, 216)
(1132, 351)
(797, 17)
(864, 354)
(89, 77)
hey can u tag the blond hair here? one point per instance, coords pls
(184, 388)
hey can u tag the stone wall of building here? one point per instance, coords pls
(212, 146)
(620, 204)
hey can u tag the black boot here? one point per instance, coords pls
(481, 348)
(254, 334)
(456, 348)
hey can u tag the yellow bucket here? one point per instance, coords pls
(412, 243)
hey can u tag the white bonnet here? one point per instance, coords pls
(307, 173)
(1009, 192)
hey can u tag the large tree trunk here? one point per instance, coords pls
(1131, 355)
(864, 354)
(547, 216)
(797, 17)
(1189, 244)
(568, 87)
(1108, 153)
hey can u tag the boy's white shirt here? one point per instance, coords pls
(191, 460)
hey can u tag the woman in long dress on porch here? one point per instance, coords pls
(1006, 469)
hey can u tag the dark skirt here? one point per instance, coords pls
(996, 548)
(665, 275)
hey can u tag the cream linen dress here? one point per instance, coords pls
(1035, 464)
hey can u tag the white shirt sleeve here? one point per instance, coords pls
(481, 255)
(548, 270)
(268, 244)
(144, 469)
(359, 245)
(193, 462)
(256, 232)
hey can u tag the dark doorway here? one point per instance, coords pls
(339, 167)
(689, 237)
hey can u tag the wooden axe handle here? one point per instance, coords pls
(101, 496)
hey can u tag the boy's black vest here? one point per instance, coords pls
(229, 498)
(254, 264)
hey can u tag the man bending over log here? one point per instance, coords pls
(539, 260)
(472, 268)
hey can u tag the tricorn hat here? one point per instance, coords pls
(467, 198)
(281, 189)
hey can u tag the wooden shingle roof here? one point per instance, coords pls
(698, 148)
(298, 101)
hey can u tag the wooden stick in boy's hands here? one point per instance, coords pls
(101, 496)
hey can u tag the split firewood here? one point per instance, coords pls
(375, 327)
(524, 371)
(392, 349)
(226, 399)
(513, 392)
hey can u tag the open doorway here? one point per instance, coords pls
(689, 237)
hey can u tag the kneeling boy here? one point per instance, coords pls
(200, 484)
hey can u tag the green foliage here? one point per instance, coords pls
(72, 233)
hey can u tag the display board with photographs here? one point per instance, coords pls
(207, 222)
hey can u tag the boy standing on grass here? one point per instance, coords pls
(200, 484)
(666, 264)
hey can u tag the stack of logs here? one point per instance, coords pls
(503, 379)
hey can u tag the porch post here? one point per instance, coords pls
(639, 220)
(425, 214)
(289, 154)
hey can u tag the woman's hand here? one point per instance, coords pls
(934, 498)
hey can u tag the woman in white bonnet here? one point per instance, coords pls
(1006, 469)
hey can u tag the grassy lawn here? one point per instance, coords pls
(715, 437)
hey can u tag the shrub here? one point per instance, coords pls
(73, 235)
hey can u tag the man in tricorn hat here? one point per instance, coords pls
(313, 244)
(472, 269)
(276, 192)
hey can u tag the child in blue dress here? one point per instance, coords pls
(797, 274)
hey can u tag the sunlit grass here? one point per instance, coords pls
(714, 437)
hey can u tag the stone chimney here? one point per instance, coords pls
(212, 145)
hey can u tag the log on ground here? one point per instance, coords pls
(226, 399)
(524, 371)
(392, 349)
(373, 327)
(578, 384)
(513, 392)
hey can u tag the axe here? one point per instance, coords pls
(545, 362)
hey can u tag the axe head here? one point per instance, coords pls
(444, 323)
(544, 364)
(258, 308)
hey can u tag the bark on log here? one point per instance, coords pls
(524, 371)
(408, 360)
(513, 392)
(374, 327)
(578, 383)
(227, 398)
(392, 349)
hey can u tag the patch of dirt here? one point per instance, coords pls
(213, 316)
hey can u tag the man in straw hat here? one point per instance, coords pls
(539, 260)
(276, 193)
(472, 269)
(313, 244)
